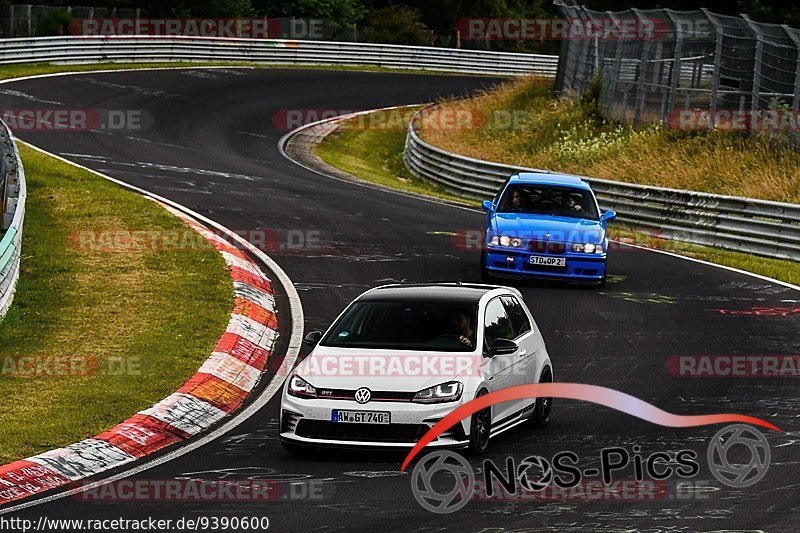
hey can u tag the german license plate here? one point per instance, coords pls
(542, 260)
(359, 417)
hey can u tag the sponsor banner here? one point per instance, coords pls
(244, 350)
(141, 435)
(21, 479)
(186, 413)
(83, 459)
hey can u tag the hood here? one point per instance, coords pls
(385, 370)
(536, 226)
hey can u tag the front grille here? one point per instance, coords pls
(323, 429)
(377, 396)
(289, 420)
(538, 246)
(547, 247)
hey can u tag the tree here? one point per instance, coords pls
(397, 24)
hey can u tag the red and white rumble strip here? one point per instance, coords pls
(217, 389)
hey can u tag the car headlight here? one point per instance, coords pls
(587, 248)
(446, 392)
(301, 388)
(505, 240)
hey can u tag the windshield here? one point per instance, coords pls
(424, 326)
(548, 200)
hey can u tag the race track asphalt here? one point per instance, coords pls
(212, 146)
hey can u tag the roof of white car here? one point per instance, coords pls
(455, 292)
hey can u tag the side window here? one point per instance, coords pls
(496, 324)
(496, 199)
(519, 320)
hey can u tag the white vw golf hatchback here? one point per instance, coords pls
(401, 357)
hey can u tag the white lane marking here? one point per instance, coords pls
(295, 342)
(356, 180)
(709, 263)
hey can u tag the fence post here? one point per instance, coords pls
(717, 61)
(641, 81)
(611, 90)
(677, 66)
(795, 37)
(755, 98)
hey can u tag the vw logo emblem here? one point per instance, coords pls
(363, 395)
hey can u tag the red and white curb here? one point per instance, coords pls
(218, 388)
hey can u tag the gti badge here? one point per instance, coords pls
(363, 395)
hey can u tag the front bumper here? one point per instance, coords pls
(516, 264)
(308, 422)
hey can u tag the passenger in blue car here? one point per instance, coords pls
(571, 203)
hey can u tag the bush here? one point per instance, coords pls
(398, 24)
(54, 23)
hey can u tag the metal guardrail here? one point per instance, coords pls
(13, 194)
(758, 227)
(83, 49)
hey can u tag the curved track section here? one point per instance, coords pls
(213, 147)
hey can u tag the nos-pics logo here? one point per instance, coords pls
(455, 478)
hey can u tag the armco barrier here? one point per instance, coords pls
(759, 227)
(83, 49)
(13, 192)
(218, 388)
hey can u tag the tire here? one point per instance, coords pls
(541, 411)
(293, 448)
(480, 429)
(486, 277)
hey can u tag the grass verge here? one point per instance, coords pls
(130, 325)
(521, 123)
(372, 154)
(376, 155)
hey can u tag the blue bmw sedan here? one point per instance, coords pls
(545, 226)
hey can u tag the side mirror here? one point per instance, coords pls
(488, 206)
(502, 347)
(609, 215)
(312, 338)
